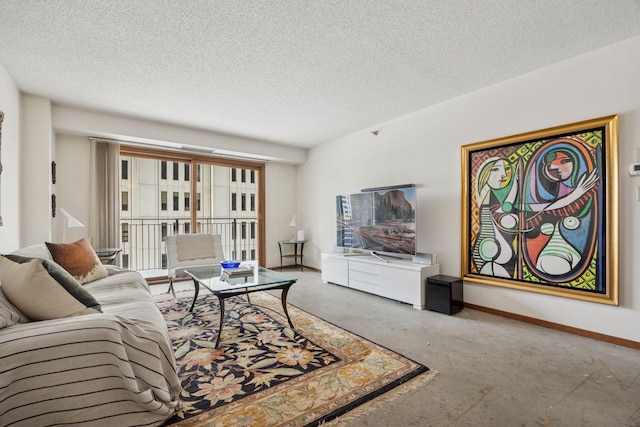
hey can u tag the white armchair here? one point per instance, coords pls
(191, 250)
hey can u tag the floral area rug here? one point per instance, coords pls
(266, 374)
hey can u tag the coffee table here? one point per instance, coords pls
(222, 287)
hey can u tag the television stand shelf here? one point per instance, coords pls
(397, 279)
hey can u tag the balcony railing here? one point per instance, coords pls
(143, 240)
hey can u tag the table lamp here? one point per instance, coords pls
(293, 224)
(69, 222)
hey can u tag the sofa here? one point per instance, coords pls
(110, 363)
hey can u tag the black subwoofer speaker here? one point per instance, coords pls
(444, 294)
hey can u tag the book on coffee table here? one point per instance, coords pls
(237, 272)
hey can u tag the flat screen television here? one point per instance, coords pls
(378, 221)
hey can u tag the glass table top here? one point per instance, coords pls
(214, 280)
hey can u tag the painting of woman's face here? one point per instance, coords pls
(539, 211)
(499, 176)
(560, 168)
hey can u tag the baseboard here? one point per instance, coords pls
(558, 327)
(289, 267)
(155, 276)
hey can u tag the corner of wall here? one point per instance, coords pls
(10, 157)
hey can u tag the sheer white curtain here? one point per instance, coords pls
(105, 195)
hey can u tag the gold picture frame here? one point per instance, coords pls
(540, 211)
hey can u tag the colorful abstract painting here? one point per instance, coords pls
(540, 211)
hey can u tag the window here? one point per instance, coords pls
(125, 200)
(244, 254)
(125, 261)
(234, 201)
(125, 232)
(253, 202)
(159, 188)
(233, 175)
(253, 177)
(253, 254)
(164, 260)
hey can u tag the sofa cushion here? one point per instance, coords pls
(195, 246)
(9, 314)
(38, 250)
(43, 290)
(79, 259)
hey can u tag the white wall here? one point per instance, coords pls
(10, 157)
(72, 121)
(73, 156)
(281, 190)
(72, 127)
(36, 153)
(424, 148)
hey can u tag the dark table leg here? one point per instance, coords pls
(283, 298)
(222, 296)
(221, 300)
(195, 295)
(301, 259)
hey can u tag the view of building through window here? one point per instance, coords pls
(158, 199)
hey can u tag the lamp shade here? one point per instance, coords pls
(70, 220)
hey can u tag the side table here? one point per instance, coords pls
(108, 255)
(295, 255)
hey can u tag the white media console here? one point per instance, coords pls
(397, 279)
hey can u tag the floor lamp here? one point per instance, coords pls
(69, 222)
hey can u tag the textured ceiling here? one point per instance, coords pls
(297, 72)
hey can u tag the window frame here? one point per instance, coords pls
(196, 161)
